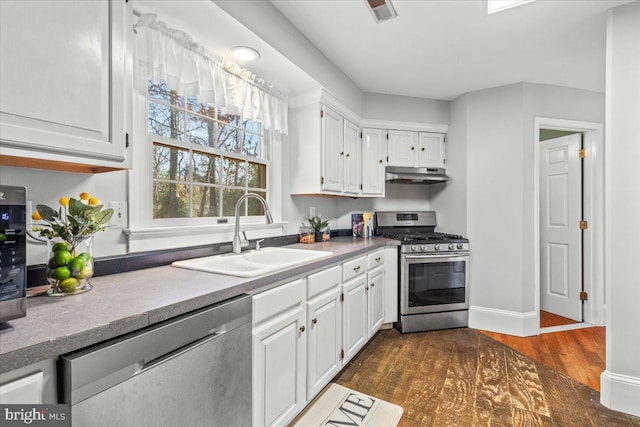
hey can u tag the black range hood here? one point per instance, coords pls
(404, 175)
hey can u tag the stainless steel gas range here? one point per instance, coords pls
(433, 270)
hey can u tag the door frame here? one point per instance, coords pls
(593, 205)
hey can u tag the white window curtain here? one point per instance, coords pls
(162, 53)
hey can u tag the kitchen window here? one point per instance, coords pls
(203, 159)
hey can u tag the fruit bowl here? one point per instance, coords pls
(69, 268)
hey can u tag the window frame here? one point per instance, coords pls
(144, 233)
(263, 158)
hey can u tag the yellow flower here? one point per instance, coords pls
(93, 201)
(64, 201)
(36, 216)
(84, 196)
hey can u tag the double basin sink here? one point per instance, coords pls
(252, 263)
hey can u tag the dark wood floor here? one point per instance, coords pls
(461, 377)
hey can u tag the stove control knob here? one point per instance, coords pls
(460, 246)
(423, 248)
(436, 247)
(414, 248)
(451, 246)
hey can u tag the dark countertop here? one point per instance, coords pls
(125, 302)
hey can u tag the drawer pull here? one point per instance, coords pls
(302, 328)
(314, 321)
(356, 269)
(378, 259)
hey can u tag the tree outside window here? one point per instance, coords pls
(204, 160)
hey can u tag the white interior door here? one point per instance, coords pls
(560, 235)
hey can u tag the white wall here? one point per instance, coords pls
(46, 187)
(405, 109)
(620, 383)
(450, 199)
(500, 192)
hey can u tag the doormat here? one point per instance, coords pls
(341, 406)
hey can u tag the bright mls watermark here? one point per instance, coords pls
(36, 415)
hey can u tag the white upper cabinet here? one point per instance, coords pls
(63, 81)
(431, 152)
(416, 149)
(374, 153)
(352, 158)
(332, 150)
(402, 147)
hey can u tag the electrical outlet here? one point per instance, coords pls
(312, 212)
(119, 218)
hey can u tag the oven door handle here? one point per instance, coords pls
(451, 255)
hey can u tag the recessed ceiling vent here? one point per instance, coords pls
(382, 10)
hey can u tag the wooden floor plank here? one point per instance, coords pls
(463, 378)
(579, 353)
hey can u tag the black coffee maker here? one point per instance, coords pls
(13, 254)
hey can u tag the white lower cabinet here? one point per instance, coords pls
(279, 354)
(375, 301)
(324, 342)
(306, 330)
(354, 314)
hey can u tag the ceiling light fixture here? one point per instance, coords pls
(382, 10)
(245, 53)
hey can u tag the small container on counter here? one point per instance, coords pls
(307, 234)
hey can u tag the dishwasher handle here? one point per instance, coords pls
(178, 352)
(90, 371)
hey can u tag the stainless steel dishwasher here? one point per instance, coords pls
(194, 370)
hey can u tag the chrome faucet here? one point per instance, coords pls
(242, 242)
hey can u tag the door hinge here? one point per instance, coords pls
(126, 140)
(342, 297)
(582, 153)
(321, 113)
(342, 353)
(584, 296)
(360, 187)
(387, 135)
(584, 225)
(360, 134)
(444, 161)
(387, 159)
(322, 180)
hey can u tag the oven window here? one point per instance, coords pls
(436, 283)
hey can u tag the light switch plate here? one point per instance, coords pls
(119, 218)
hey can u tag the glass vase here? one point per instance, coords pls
(69, 267)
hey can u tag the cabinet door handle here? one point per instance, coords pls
(378, 259)
(356, 269)
(366, 288)
(380, 161)
(314, 321)
(302, 328)
(413, 148)
(342, 153)
(347, 154)
(422, 148)
(372, 285)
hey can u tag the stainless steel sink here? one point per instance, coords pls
(252, 263)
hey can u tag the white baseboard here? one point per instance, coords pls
(620, 392)
(503, 321)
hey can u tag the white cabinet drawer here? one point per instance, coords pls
(320, 282)
(351, 269)
(375, 259)
(277, 300)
